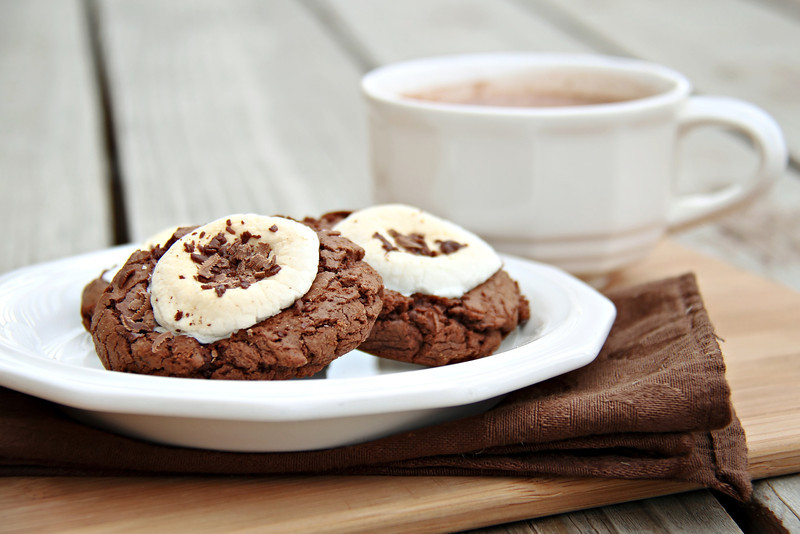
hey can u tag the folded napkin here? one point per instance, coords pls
(653, 405)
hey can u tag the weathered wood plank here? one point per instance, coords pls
(53, 194)
(288, 505)
(226, 107)
(781, 498)
(395, 31)
(691, 512)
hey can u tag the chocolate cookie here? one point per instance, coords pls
(420, 327)
(94, 289)
(333, 317)
(89, 299)
(430, 330)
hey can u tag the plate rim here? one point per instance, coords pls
(591, 314)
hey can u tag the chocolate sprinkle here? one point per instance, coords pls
(416, 244)
(448, 247)
(246, 236)
(412, 243)
(387, 246)
(198, 258)
(224, 264)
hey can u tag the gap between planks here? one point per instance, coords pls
(119, 218)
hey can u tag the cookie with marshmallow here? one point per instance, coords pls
(446, 297)
(94, 289)
(243, 297)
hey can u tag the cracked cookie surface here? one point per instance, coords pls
(333, 317)
(433, 330)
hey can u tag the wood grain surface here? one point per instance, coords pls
(781, 497)
(697, 511)
(231, 107)
(53, 186)
(761, 346)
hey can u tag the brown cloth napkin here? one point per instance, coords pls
(653, 405)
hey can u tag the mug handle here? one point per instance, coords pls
(766, 137)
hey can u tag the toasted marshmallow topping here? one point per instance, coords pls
(416, 252)
(231, 274)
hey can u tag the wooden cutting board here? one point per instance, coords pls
(759, 325)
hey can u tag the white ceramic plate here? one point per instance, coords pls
(45, 352)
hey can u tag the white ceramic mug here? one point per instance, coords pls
(589, 188)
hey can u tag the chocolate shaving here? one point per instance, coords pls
(412, 243)
(198, 258)
(247, 236)
(133, 327)
(214, 245)
(204, 272)
(385, 244)
(224, 264)
(178, 315)
(160, 339)
(273, 228)
(448, 247)
(416, 244)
